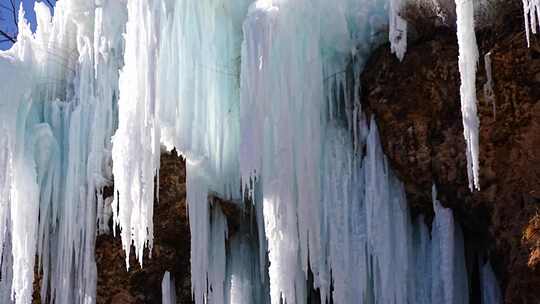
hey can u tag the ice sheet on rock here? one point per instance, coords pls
(468, 60)
(397, 29)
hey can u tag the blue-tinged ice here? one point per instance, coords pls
(449, 274)
(491, 293)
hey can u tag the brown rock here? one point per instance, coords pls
(123, 297)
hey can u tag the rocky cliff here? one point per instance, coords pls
(417, 106)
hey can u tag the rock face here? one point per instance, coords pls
(171, 250)
(417, 106)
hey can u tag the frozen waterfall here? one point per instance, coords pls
(262, 99)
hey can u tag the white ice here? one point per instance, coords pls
(468, 61)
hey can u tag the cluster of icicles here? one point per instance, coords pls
(261, 98)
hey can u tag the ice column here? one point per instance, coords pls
(449, 275)
(138, 130)
(280, 120)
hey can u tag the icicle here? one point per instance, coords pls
(449, 285)
(7, 271)
(138, 130)
(243, 274)
(491, 293)
(387, 225)
(397, 29)
(217, 259)
(531, 15)
(24, 215)
(422, 249)
(272, 134)
(168, 289)
(468, 60)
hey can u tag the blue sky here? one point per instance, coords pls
(6, 17)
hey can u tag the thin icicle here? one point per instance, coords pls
(468, 60)
(138, 130)
(168, 289)
(531, 16)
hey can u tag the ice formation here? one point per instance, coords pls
(56, 123)
(531, 15)
(263, 116)
(168, 290)
(468, 61)
(491, 294)
(397, 32)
